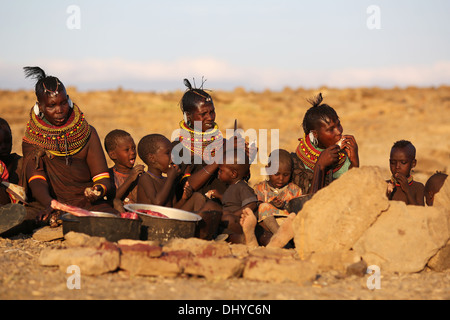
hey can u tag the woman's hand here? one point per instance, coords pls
(328, 157)
(94, 193)
(44, 214)
(351, 147)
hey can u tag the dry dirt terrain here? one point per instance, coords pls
(376, 117)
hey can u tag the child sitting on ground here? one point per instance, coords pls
(13, 161)
(275, 193)
(153, 188)
(238, 194)
(433, 185)
(4, 176)
(402, 186)
(121, 149)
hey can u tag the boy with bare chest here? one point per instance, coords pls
(402, 186)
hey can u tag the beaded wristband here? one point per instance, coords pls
(37, 177)
(104, 175)
(187, 175)
(103, 187)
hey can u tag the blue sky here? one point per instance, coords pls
(153, 45)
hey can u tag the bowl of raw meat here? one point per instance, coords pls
(163, 223)
(101, 224)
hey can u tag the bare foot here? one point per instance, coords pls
(248, 224)
(284, 234)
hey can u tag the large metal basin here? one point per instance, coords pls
(179, 224)
(102, 224)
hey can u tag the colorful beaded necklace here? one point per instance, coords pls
(395, 182)
(308, 154)
(191, 139)
(60, 141)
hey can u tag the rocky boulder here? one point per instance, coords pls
(404, 238)
(338, 215)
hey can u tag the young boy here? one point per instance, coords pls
(402, 187)
(153, 188)
(238, 195)
(13, 161)
(125, 174)
(433, 185)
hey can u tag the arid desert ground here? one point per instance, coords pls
(376, 117)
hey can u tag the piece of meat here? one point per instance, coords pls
(340, 143)
(79, 212)
(152, 213)
(129, 215)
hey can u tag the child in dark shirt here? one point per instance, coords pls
(238, 196)
(125, 174)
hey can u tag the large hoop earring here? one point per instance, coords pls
(313, 138)
(37, 111)
(69, 101)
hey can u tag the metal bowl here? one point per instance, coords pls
(179, 224)
(103, 224)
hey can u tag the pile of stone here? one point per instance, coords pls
(353, 214)
(345, 227)
(193, 257)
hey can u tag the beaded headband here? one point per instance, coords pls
(52, 93)
(207, 99)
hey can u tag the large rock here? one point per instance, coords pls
(47, 233)
(442, 198)
(146, 260)
(279, 270)
(404, 238)
(441, 260)
(339, 214)
(214, 268)
(91, 261)
(199, 247)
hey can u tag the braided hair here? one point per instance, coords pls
(318, 112)
(44, 84)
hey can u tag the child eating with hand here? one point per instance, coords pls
(238, 195)
(154, 188)
(401, 186)
(121, 149)
(433, 186)
(275, 193)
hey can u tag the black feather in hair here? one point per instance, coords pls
(317, 100)
(35, 73)
(187, 84)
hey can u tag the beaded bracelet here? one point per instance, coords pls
(187, 175)
(104, 175)
(37, 176)
(103, 187)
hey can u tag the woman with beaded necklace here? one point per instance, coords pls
(323, 153)
(63, 156)
(198, 140)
